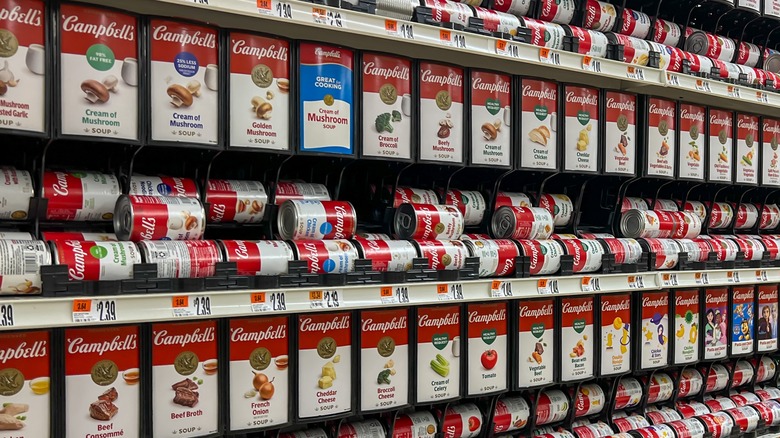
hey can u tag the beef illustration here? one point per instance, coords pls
(102, 410)
(186, 383)
(186, 397)
(110, 395)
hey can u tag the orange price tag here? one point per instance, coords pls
(258, 298)
(541, 283)
(391, 26)
(445, 35)
(264, 4)
(315, 295)
(180, 301)
(586, 60)
(386, 292)
(442, 289)
(495, 284)
(501, 44)
(82, 305)
(544, 52)
(585, 281)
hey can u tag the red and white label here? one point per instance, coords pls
(626, 251)
(577, 338)
(582, 129)
(551, 407)
(449, 12)
(591, 42)
(599, 16)
(491, 118)
(766, 329)
(235, 201)
(538, 124)
(523, 223)
(387, 88)
(327, 256)
(586, 254)
(686, 326)
(487, 351)
(742, 320)
(93, 261)
(76, 196)
(441, 113)
(410, 195)
(443, 255)
(746, 418)
(258, 257)
(747, 149)
(438, 340)
(770, 168)
(511, 413)
(560, 207)
(660, 388)
(518, 8)
(667, 252)
(497, 21)
(462, 421)
(286, 191)
(654, 346)
(163, 186)
(315, 220)
(666, 33)
(590, 400)
(620, 133)
(661, 115)
(185, 368)
(25, 358)
(182, 259)
(388, 255)
(384, 350)
(166, 218)
(720, 145)
(545, 34)
(615, 334)
(325, 345)
(544, 255)
(557, 11)
(635, 24)
(689, 383)
(496, 257)
(536, 342)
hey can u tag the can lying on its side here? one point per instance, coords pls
(182, 259)
(95, 260)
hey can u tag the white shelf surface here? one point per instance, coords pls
(39, 312)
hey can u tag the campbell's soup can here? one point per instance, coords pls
(630, 203)
(552, 407)
(311, 220)
(182, 259)
(727, 70)
(718, 404)
(742, 373)
(80, 196)
(462, 421)
(744, 398)
(717, 379)
(698, 63)
(20, 265)
(746, 418)
(635, 24)
(596, 236)
(688, 428)
(497, 21)
(96, 260)
(326, 256)
(591, 43)
(666, 32)
(496, 257)
(725, 250)
(471, 204)
(515, 7)
(557, 11)
(768, 393)
(663, 205)
(629, 422)
(771, 246)
(362, 429)
(753, 248)
(443, 255)
(507, 199)
(770, 217)
(647, 224)
(747, 216)
(258, 257)
(662, 415)
(55, 236)
(721, 214)
(544, 255)
(689, 383)
(415, 425)
(372, 236)
(142, 185)
(594, 430)
(769, 411)
(767, 368)
(710, 45)
(697, 250)
(690, 409)
(428, 222)
(587, 254)
(235, 201)
(449, 12)
(671, 58)
(599, 16)
(660, 388)
(18, 235)
(16, 191)
(387, 255)
(657, 431)
(544, 34)
(635, 51)
(286, 191)
(590, 400)
(629, 393)
(474, 236)
(697, 208)
(511, 413)
(140, 218)
(559, 206)
(409, 195)
(522, 223)
(626, 251)
(687, 225)
(748, 54)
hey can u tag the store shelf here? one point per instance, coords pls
(31, 312)
(308, 21)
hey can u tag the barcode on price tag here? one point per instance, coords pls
(547, 56)
(590, 284)
(701, 85)
(7, 315)
(762, 97)
(669, 280)
(394, 295)
(94, 310)
(636, 282)
(402, 30)
(733, 91)
(500, 289)
(268, 301)
(672, 79)
(328, 299)
(186, 306)
(547, 287)
(761, 275)
(504, 48)
(702, 278)
(732, 277)
(448, 292)
(328, 17)
(590, 64)
(635, 73)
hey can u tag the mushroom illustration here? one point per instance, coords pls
(194, 87)
(180, 96)
(7, 76)
(262, 108)
(95, 91)
(111, 82)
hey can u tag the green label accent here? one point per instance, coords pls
(98, 252)
(489, 336)
(100, 57)
(537, 330)
(579, 325)
(540, 111)
(440, 341)
(583, 117)
(493, 106)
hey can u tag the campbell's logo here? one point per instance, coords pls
(534, 253)
(271, 333)
(772, 127)
(547, 93)
(148, 225)
(79, 256)
(118, 343)
(399, 323)
(547, 8)
(241, 251)
(748, 123)
(197, 38)
(29, 16)
(427, 218)
(452, 79)
(197, 336)
(567, 307)
(219, 212)
(397, 72)
(327, 53)
(314, 256)
(627, 105)
(743, 296)
(337, 323)
(178, 185)
(487, 318)
(686, 302)
(610, 306)
(590, 18)
(661, 111)
(717, 299)
(242, 47)
(762, 295)
(448, 320)
(576, 249)
(584, 100)
(24, 351)
(341, 213)
(720, 121)
(493, 87)
(126, 32)
(433, 254)
(698, 116)
(527, 312)
(61, 186)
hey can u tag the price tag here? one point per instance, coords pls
(672, 79)
(547, 56)
(733, 91)
(274, 8)
(448, 292)
(500, 289)
(591, 65)
(762, 97)
(547, 287)
(636, 282)
(505, 48)
(328, 299)
(702, 278)
(267, 302)
(186, 306)
(732, 277)
(403, 30)
(636, 73)
(590, 284)
(197, 2)
(701, 85)
(669, 280)
(7, 315)
(761, 275)
(94, 310)
(328, 17)
(394, 295)
(448, 38)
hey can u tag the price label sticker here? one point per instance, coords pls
(394, 295)
(635, 73)
(672, 79)
(94, 310)
(505, 48)
(547, 286)
(702, 278)
(445, 37)
(402, 30)
(636, 282)
(733, 91)
(268, 302)
(449, 292)
(197, 2)
(547, 56)
(762, 97)
(591, 65)
(328, 18)
(761, 275)
(732, 277)
(7, 315)
(701, 85)
(500, 289)
(590, 284)
(327, 299)
(186, 306)
(669, 280)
